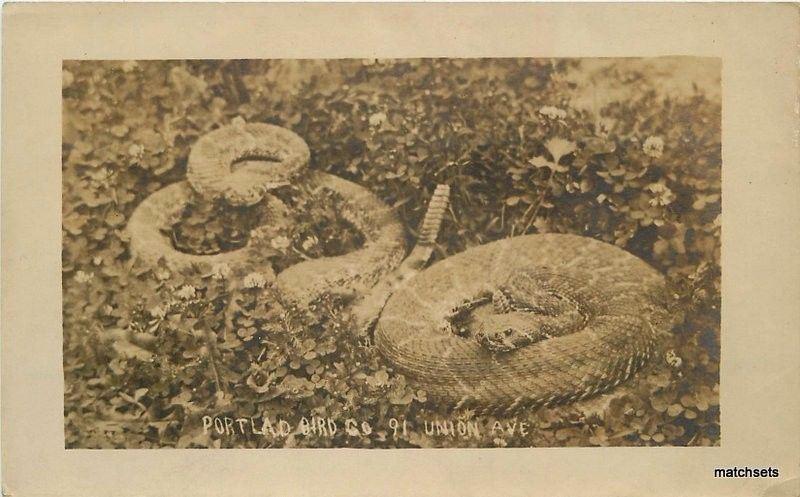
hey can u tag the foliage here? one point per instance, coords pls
(643, 173)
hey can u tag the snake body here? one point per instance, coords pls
(155, 216)
(242, 163)
(383, 250)
(601, 314)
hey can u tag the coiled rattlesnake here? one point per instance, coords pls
(528, 321)
(242, 163)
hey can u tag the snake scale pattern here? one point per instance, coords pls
(243, 163)
(352, 273)
(578, 316)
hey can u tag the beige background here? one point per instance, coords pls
(761, 230)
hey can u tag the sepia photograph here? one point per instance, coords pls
(403, 249)
(391, 253)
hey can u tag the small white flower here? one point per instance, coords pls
(663, 195)
(101, 175)
(135, 150)
(220, 271)
(377, 119)
(83, 277)
(673, 359)
(129, 65)
(254, 280)
(551, 112)
(185, 292)
(97, 260)
(158, 312)
(280, 242)
(162, 274)
(653, 147)
(119, 130)
(310, 242)
(500, 442)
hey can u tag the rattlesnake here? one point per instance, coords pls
(595, 316)
(243, 163)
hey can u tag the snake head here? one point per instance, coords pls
(506, 332)
(501, 340)
(497, 341)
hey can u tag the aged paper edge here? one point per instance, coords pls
(761, 408)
